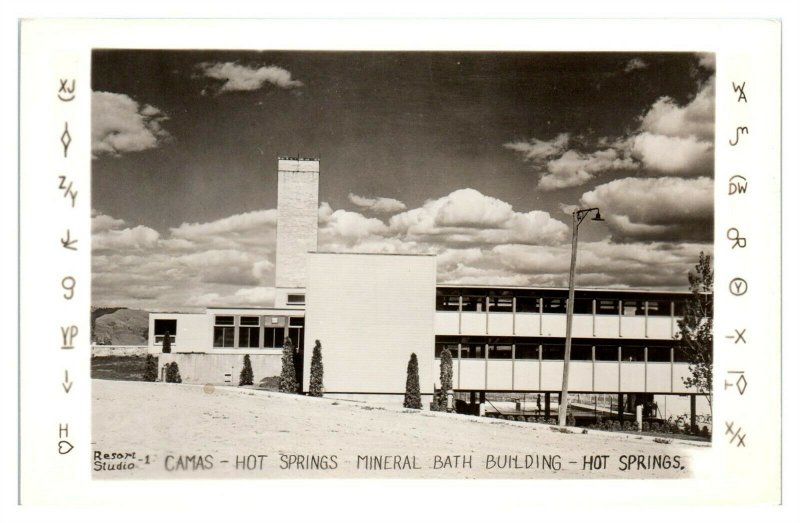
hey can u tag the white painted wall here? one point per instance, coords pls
(370, 312)
(194, 333)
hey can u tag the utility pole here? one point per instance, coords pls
(577, 218)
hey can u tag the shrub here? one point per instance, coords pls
(246, 376)
(616, 425)
(412, 398)
(663, 440)
(315, 381)
(150, 368)
(704, 432)
(627, 425)
(570, 419)
(531, 419)
(645, 426)
(437, 404)
(173, 374)
(288, 381)
(166, 345)
(445, 377)
(520, 418)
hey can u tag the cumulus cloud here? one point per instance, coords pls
(104, 222)
(707, 61)
(695, 119)
(121, 125)
(635, 64)
(669, 138)
(237, 77)
(656, 209)
(535, 149)
(467, 216)
(379, 204)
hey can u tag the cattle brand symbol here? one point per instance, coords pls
(738, 286)
(66, 92)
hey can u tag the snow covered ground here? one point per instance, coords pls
(159, 430)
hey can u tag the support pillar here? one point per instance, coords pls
(472, 398)
(693, 412)
(621, 407)
(482, 404)
(546, 405)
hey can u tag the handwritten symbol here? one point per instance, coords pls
(739, 131)
(68, 192)
(66, 139)
(741, 382)
(738, 241)
(67, 384)
(739, 89)
(736, 187)
(68, 334)
(739, 336)
(68, 283)
(737, 286)
(729, 430)
(68, 243)
(68, 91)
(64, 447)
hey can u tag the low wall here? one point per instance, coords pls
(119, 350)
(220, 369)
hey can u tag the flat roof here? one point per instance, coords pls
(566, 289)
(369, 253)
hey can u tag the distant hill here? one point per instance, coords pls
(119, 326)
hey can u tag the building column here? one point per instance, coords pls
(621, 407)
(693, 412)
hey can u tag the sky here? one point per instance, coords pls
(478, 158)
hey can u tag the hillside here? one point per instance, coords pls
(120, 326)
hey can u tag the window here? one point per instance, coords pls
(472, 350)
(162, 327)
(439, 348)
(446, 300)
(555, 306)
(607, 307)
(296, 325)
(501, 303)
(296, 299)
(658, 354)
(632, 354)
(552, 352)
(580, 353)
(499, 352)
(606, 353)
(249, 332)
(658, 308)
(629, 308)
(526, 352)
(527, 304)
(583, 306)
(223, 331)
(473, 303)
(273, 337)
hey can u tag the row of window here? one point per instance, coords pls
(245, 332)
(550, 305)
(549, 352)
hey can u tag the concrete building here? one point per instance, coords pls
(371, 311)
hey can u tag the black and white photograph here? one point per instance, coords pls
(385, 264)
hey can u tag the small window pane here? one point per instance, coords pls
(583, 306)
(632, 354)
(552, 352)
(297, 322)
(555, 306)
(474, 303)
(606, 353)
(223, 320)
(580, 353)
(527, 304)
(607, 307)
(499, 352)
(526, 352)
(248, 320)
(296, 299)
(472, 350)
(658, 354)
(161, 327)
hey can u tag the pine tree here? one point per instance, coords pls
(445, 377)
(246, 376)
(412, 399)
(166, 346)
(173, 374)
(696, 328)
(315, 380)
(288, 381)
(150, 368)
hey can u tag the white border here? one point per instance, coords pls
(645, 34)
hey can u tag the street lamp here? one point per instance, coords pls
(577, 218)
